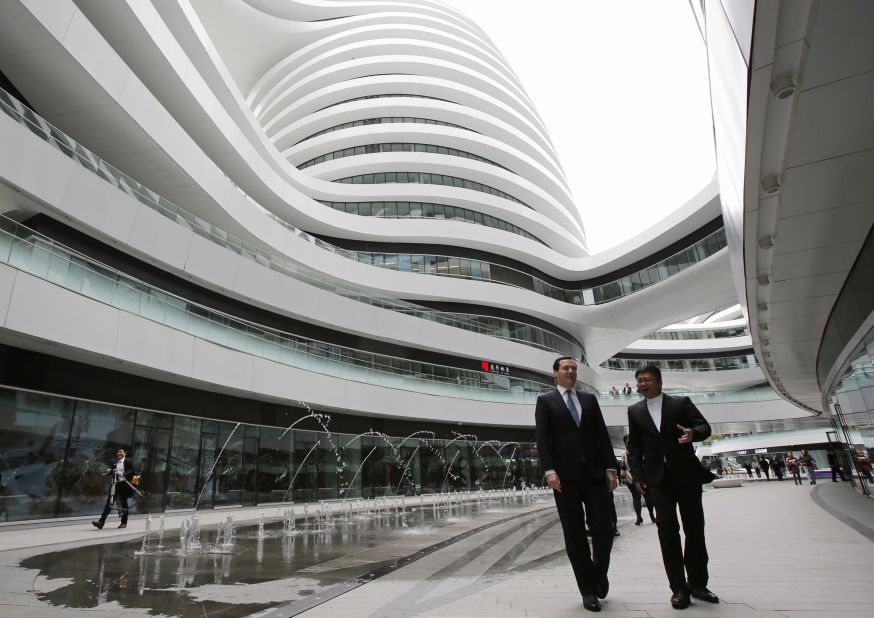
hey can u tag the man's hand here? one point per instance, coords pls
(553, 482)
(641, 486)
(686, 438)
(611, 479)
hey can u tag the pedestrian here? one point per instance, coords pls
(757, 468)
(578, 462)
(749, 469)
(777, 468)
(661, 430)
(809, 464)
(121, 473)
(864, 464)
(636, 497)
(794, 467)
(835, 465)
(765, 465)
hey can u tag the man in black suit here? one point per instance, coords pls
(122, 473)
(661, 430)
(580, 467)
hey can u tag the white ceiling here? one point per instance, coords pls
(820, 142)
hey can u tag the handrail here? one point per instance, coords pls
(32, 252)
(68, 146)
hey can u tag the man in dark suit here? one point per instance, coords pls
(580, 467)
(122, 473)
(661, 430)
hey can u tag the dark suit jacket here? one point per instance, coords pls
(574, 453)
(651, 450)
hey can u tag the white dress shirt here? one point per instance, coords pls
(654, 406)
(119, 469)
(563, 392)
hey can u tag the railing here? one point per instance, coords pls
(68, 146)
(25, 249)
(716, 363)
(688, 335)
(702, 396)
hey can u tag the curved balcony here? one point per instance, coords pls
(384, 120)
(365, 149)
(426, 178)
(41, 128)
(26, 250)
(717, 363)
(427, 210)
(690, 335)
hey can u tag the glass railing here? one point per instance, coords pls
(353, 151)
(426, 210)
(385, 120)
(688, 335)
(748, 395)
(31, 252)
(660, 271)
(719, 363)
(67, 145)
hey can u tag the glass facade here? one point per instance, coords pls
(426, 210)
(686, 335)
(395, 147)
(719, 363)
(385, 120)
(425, 178)
(54, 451)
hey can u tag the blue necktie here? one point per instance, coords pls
(572, 408)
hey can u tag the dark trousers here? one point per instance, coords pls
(667, 499)
(635, 502)
(120, 500)
(578, 503)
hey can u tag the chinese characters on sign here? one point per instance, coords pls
(490, 367)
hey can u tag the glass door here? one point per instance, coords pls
(206, 478)
(150, 456)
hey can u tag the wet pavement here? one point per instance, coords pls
(777, 550)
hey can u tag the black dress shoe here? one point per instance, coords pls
(680, 600)
(591, 603)
(703, 594)
(97, 524)
(616, 532)
(638, 522)
(602, 588)
(124, 525)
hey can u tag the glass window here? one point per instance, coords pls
(428, 210)
(391, 210)
(36, 431)
(98, 431)
(182, 480)
(442, 265)
(364, 208)
(405, 262)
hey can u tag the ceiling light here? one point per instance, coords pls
(770, 185)
(763, 306)
(783, 86)
(764, 280)
(763, 327)
(766, 242)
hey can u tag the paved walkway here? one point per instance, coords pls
(777, 550)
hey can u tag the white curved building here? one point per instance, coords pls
(229, 212)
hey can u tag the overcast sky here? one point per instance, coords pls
(622, 88)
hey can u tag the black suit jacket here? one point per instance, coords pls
(574, 453)
(653, 453)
